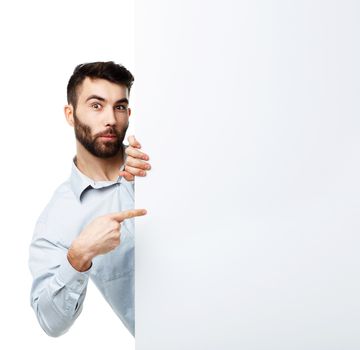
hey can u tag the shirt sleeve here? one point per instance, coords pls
(58, 290)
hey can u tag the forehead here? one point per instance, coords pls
(103, 88)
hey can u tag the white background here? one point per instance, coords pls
(251, 116)
(41, 43)
(249, 111)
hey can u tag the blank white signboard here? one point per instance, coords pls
(249, 111)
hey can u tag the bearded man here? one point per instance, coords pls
(87, 228)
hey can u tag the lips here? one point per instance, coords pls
(109, 136)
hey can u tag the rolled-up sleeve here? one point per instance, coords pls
(58, 290)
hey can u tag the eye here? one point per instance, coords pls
(121, 107)
(96, 106)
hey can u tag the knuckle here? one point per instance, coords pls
(115, 239)
(102, 219)
(115, 226)
(130, 161)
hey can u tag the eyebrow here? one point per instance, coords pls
(96, 97)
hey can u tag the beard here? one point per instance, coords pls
(97, 147)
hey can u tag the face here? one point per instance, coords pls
(101, 117)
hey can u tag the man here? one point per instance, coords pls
(87, 228)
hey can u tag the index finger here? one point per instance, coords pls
(135, 153)
(127, 214)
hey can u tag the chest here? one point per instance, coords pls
(75, 216)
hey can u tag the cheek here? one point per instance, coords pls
(123, 120)
(86, 127)
(89, 120)
(122, 126)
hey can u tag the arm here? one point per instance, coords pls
(58, 290)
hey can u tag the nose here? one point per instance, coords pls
(109, 117)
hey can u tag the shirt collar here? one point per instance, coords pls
(79, 182)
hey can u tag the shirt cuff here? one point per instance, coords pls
(71, 277)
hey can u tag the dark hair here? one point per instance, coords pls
(116, 73)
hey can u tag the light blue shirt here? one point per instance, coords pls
(58, 290)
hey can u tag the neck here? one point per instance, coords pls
(98, 169)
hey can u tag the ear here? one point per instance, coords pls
(129, 110)
(69, 114)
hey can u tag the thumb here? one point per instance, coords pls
(133, 142)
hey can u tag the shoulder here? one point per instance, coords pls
(62, 194)
(61, 205)
(60, 221)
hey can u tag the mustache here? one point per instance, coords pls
(109, 131)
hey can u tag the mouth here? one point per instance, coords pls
(108, 137)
